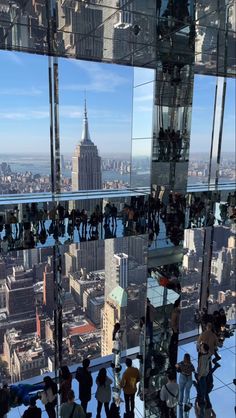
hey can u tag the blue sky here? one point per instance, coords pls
(24, 106)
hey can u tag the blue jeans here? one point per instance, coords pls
(185, 383)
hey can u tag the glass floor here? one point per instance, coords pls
(92, 406)
(222, 396)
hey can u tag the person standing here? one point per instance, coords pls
(150, 317)
(65, 383)
(185, 368)
(84, 377)
(129, 382)
(202, 373)
(49, 396)
(169, 396)
(71, 409)
(33, 411)
(103, 393)
(4, 401)
(209, 337)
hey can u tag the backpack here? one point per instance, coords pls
(172, 401)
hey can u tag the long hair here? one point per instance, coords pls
(65, 372)
(49, 383)
(187, 358)
(102, 376)
(115, 330)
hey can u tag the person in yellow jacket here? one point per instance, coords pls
(129, 382)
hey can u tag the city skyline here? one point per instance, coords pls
(25, 103)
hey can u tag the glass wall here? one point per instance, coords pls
(25, 123)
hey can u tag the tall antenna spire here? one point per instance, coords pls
(85, 134)
(85, 105)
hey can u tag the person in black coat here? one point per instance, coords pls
(4, 401)
(84, 377)
(33, 411)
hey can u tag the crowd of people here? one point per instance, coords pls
(172, 145)
(62, 396)
(173, 394)
(63, 226)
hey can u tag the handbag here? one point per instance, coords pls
(73, 410)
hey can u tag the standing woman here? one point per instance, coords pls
(185, 368)
(65, 383)
(49, 396)
(103, 393)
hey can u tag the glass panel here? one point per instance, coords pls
(143, 76)
(141, 162)
(142, 111)
(104, 282)
(27, 284)
(96, 135)
(201, 131)
(25, 122)
(227, 162)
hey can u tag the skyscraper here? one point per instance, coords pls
(86, 163)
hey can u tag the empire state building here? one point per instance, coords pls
(86, 163)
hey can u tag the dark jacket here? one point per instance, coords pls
(32, 412)
(4, 402)
(65, 386)
(83, 376)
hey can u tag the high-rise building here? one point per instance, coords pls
(114, 311)
(20, 292)
(86, 162)
(48, 290)
(120, 265)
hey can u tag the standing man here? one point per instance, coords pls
(71, 409)
(202, 373)
(169, 396)
(129, 382)
(84, 377)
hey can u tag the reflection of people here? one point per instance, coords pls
(84, 377)
(116, 338)
(141, 337)
(129, 384)
(173, 347)
(169, 396)
(33, 411)
(71, 409)
(185, 368)
(103, 393)
(150, 317)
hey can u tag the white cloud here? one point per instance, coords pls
(20, 92)
(101, 79)
(25, 114)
